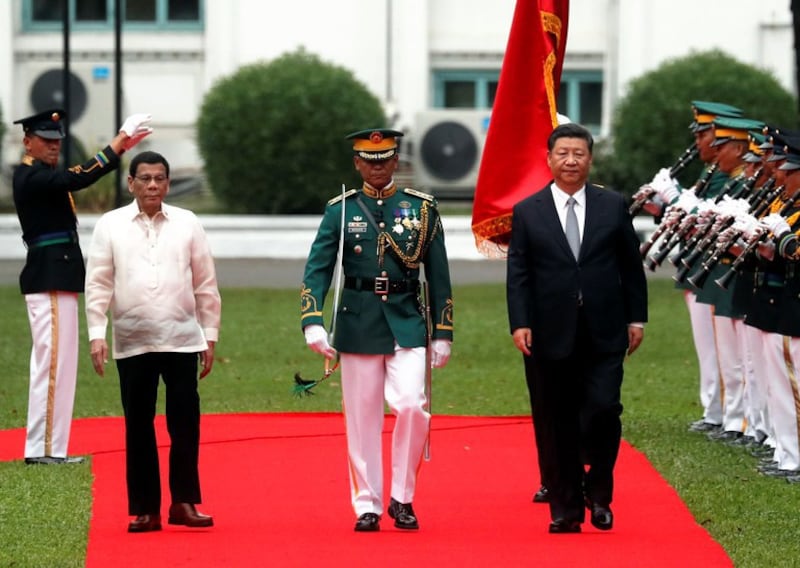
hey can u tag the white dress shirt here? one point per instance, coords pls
(157, 277)
(560, 197)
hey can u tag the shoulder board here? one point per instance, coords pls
(27, 160)
(341, 196)
(421, 195)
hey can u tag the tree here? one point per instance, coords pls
(272, 134)
(649, 129)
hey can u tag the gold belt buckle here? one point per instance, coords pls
(381, 285)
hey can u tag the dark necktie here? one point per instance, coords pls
(571, 229)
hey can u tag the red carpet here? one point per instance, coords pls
(277, 487)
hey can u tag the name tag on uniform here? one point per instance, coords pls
(357, 227)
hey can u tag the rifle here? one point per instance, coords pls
(706, 266)
(700, 187)
(646, 192)
(687, 223)
(752, 245)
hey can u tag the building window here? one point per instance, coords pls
(464, 89)
(99, 14)
(581, 98)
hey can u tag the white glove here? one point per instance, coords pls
(134, 122)
(748, 226)
(665, 186)
(776, 224)
(440, 353)
(317, 340)
(135, 126)
(686, 200)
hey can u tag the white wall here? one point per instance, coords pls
(168, 74)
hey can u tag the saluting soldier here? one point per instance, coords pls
(387, 234)
(54, 271)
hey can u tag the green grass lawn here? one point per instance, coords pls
(261, 348)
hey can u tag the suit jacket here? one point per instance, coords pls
(544, 280)
(367, 322)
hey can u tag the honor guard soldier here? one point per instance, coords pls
(54, 271)
(731, 142)
(384, 236)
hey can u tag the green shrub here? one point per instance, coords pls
(272, 134)
(650, 125)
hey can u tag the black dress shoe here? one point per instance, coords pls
(368, 522)
(725, 435)
(49, 460)
(403, 515)
(541, 496)
(703, 426)
(145, 523)
(561, 526)
(601, 517)
(186, 514)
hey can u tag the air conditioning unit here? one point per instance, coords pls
(448, 148)
(91, 114)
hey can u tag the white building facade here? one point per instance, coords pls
(418, 56)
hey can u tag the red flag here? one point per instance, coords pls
(514, 163)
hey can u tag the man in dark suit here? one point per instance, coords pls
(574, 316)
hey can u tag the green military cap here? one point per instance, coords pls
(47, 124)
(792, 150)
(706, 111)
(754, 151)
(375, 144)
(733, 128)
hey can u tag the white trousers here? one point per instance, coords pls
(755, 387)
(731, 370)
(782, 354)
(53, 318)
(701, 318)
(366, 381)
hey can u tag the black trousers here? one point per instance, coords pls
(576, 409)
(139, 379)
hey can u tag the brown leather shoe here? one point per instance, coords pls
(145, 523)
(186, 514)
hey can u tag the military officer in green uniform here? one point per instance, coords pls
(387, 234)
(54, 271)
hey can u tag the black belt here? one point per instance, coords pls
(381, 285)
(48, 239)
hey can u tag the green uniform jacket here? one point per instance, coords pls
(403, 234)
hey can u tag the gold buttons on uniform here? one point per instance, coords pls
(382, 225)
(384, 298)
(380, 202)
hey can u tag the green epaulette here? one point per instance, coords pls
(341, 196)
(421, 195)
